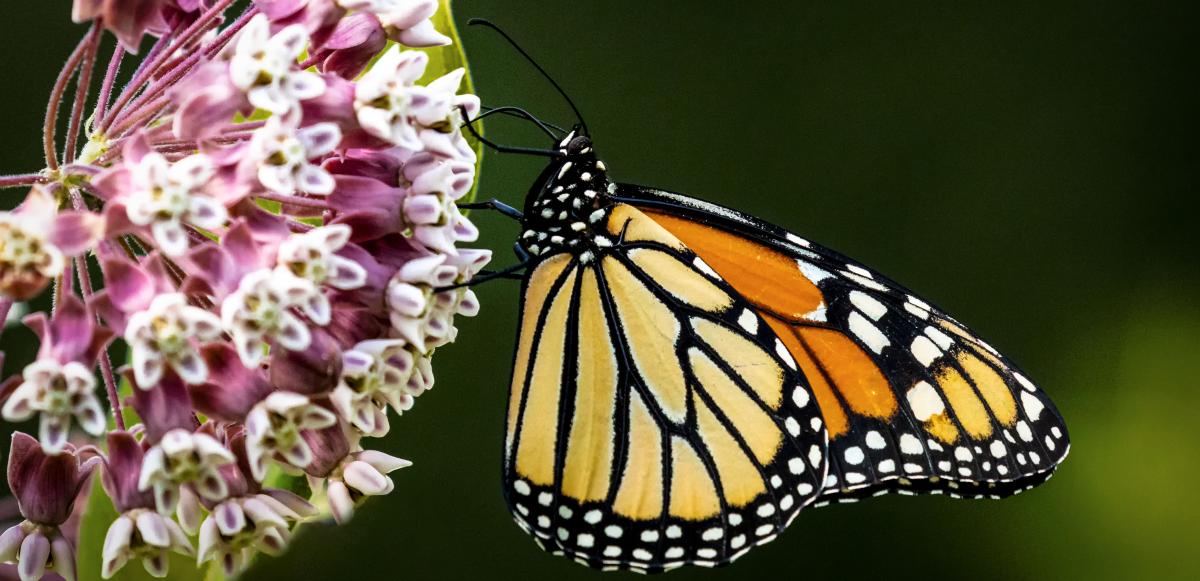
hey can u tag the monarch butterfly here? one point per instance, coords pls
(687, 378)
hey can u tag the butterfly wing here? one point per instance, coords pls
(912, 400)
(654, 419)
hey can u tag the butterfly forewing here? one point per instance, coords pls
(911, 399)
(655, 418)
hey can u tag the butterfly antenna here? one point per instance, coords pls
(520, 113)
(557, 87)
(469, 124)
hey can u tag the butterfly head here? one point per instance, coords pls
(567, 206)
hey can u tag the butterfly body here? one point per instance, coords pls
(688, 378)
(566, 206)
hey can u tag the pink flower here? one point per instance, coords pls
(129, 20)
(282, 153)
(361, 475)
(139, 532)
(46, 487)
(274, 428)
(351, 45)
(272, 245)
(423, 316)
(36, 240)
(59, 386)
(264, 67)
(407, 21)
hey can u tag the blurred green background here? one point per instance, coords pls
(1030, 167)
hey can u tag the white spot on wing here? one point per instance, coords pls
(868, 305)
(1024, 381)
(1033, 406)
(813, 272)
(783, 354)
(924, 350)
(748, 321)
(917, 311)
(854, 455)
(924, 401)
(800, 396)
(943, 341)
(818, 315)
(997, 449)
(868, 333)
(859, 270)
(909, 444)
(798, 240)
(705, 268)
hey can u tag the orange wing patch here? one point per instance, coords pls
(838, 371)
(774, 283)
(765, 277)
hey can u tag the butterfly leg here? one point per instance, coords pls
(494, 205)
(491, 275)
(522, 254)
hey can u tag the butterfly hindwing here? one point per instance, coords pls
(911, 399)
(655, 419)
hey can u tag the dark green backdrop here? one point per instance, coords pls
(1030, 168)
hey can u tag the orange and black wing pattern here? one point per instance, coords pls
(913, 401)
(655, 419)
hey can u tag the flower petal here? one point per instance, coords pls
(35, 550)
(153, 529)
(229, 518)
(340, 503)
(366, 479)
(64, 557)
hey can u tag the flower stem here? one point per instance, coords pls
(106, 368)
(184, 66)
(144, 113)
(21, 179)
(154, 61)
(56, 95)
(82, 85)
(228, 33)
(110, 78)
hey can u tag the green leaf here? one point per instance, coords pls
(98, 514)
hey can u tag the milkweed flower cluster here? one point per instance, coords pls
(280, 250)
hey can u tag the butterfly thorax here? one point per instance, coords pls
(567, 207)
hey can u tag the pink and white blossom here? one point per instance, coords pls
(56, 393)
(264, 66)
(283, 152)
(260, 312)
(274, 428)
(165, 196)
(36, 240)
(167, 335)
(280, 248)
(180, 459)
